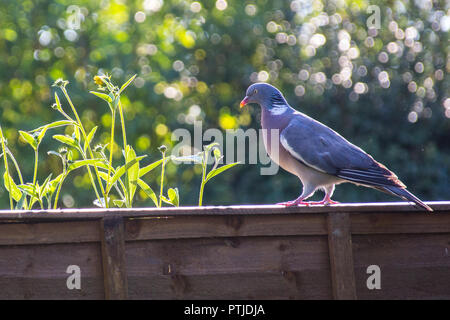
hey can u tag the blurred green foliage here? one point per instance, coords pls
(386, 89)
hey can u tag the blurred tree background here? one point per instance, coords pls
(386, 89)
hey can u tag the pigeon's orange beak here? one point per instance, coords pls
(243, 102)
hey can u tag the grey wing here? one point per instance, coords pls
(321, 148)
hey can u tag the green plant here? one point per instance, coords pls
(173, 196)
(5, 161)
(75, 140)
(131, 168)
(106, 175)
(124, 179)
(202, 158)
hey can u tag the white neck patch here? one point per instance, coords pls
(278, 109)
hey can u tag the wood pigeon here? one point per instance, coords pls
(316, 154)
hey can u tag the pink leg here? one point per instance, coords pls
(326, 201)
(296, 202)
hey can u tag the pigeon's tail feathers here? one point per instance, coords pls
(374, 175)
(405, 194)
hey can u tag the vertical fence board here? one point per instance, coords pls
(113, 258)
(341, 256)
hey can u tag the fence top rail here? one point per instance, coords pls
(99, 213)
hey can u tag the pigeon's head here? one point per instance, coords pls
(263, 94)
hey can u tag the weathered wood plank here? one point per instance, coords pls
(113, 258)
(303, 285)
(208, 256)
(415, 266)
(179, 268)
(171, 227)
(49, 232)
(39, 271)
(95, 214)
(224, 226)
(341, 258)
(372, 223)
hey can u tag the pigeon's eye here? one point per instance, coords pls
(255, 91)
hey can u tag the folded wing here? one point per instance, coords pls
(323, 149)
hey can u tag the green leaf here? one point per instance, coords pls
(151, 166)
(148, 191)
(66, 140)
(103, 96)
(76, 134)
(133, 172)
(104, 175)
(28, 138)
(15, 191)
(90, 136)
(217, 171)
(56, 124)
(41, 135)
(53, 184)
(22, 203)
(174, 196)
(43, 190)
(121, 171)
(29, 189)
(119, 203)
(126, 84)
(87, 162)
(58, 102)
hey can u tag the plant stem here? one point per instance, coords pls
(60, 184)
(202, 186)
(90, 151)
(111, 150)
(200, 198)
(19, 173)
(162, 179)
(5, 159)
(124, 137)
(35, 167)
(57, 192)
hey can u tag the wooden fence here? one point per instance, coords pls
(237, 252)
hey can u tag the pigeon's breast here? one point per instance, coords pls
(272, 126)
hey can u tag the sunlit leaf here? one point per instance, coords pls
(56, 124)
(90, 136)
(121, 171)
(148, 191)
(103, 96)
(22, 203)
(126, 84)
(151, 166)
(41, 135)
(14, 191)
(119, 203)
(87, 162)
(44, 188)
(174, 196)
(66, 140)
(219, 170)
(133, 172)
(28, 138)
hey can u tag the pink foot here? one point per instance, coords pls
(293, 203)
(324, 202)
